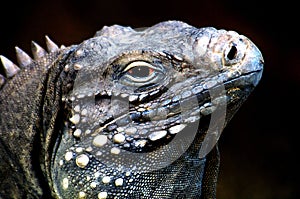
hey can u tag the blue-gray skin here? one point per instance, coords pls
(125, 114)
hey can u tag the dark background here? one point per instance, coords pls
(259, 148)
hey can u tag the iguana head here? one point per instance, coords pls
(125, 114)
(138, 103)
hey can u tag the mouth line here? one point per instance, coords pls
(248, 81)
(204, 97)
(174, 109)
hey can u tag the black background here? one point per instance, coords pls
(259, 147)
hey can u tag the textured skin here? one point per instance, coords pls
(125, 114)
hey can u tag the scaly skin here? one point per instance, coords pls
(125, 114)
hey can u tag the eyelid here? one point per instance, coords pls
(138, 63)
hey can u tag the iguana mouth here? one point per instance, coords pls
(143, 129)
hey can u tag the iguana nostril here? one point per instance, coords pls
(232, 53)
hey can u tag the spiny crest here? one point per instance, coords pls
(24, 60)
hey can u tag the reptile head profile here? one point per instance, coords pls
(137, 113)
(142, 102)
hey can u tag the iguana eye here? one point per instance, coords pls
(140, 73)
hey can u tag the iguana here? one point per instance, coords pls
(125, 114)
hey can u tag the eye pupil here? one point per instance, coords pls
(140, 71)
(232, 53)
